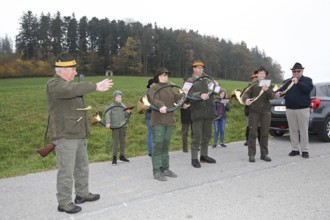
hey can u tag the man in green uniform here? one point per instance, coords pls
(202, 115)
(69, 129)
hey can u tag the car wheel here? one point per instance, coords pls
(324, 134)
(276, 133)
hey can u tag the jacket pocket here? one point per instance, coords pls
(73, 125)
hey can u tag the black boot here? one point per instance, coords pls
(251, 159)
(195, 163)
(207, 159)
(114, 160)
(123, 158)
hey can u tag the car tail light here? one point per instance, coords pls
(315, 103)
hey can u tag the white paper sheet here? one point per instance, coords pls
(187, 86)
(264, 82)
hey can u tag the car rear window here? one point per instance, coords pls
(313, 92)
(324, 90)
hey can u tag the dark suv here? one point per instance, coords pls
(319, 120)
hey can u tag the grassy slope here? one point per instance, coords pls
(23, 120)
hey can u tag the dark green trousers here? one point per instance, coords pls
(254, 120)
(184, 135)
(161, 137)
(202, 132)
(118, 138)
(72, 169)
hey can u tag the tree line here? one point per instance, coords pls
(131, 48)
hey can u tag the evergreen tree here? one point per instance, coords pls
(26, 40)
(6, 45)
(93, 30)
(82, 44)
(132, 48)
(44, 37)
(72, 36)
(57, 34)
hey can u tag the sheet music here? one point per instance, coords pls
(187, 86)
(264, 82)
(217, 89)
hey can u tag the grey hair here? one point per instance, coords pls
(57, 70)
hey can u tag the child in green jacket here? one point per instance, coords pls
(115, 116)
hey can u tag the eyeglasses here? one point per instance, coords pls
(296, 71)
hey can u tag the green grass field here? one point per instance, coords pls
(23, 120)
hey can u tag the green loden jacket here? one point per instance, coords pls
(166, 97)
(64, 98)
(204, 109)
(262, 104)
(116, 116)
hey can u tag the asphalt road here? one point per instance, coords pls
(233, 188)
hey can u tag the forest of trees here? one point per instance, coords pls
(126, 48)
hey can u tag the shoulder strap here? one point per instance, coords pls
(46, 132)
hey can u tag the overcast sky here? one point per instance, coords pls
(289, 31)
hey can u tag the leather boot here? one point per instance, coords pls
(251, 159)
(195, 163)
(114, 160)
(207, 159)
(265, 158)
(123, 158)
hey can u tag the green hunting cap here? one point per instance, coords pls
(161, 70)
(261, 68)
(65, 60)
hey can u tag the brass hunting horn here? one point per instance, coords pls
(288, 84)
(142, 104)
(239, 94)
(256, 98)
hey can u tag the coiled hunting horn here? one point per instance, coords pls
(97, 117)
(214, 84)
(172, 109)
